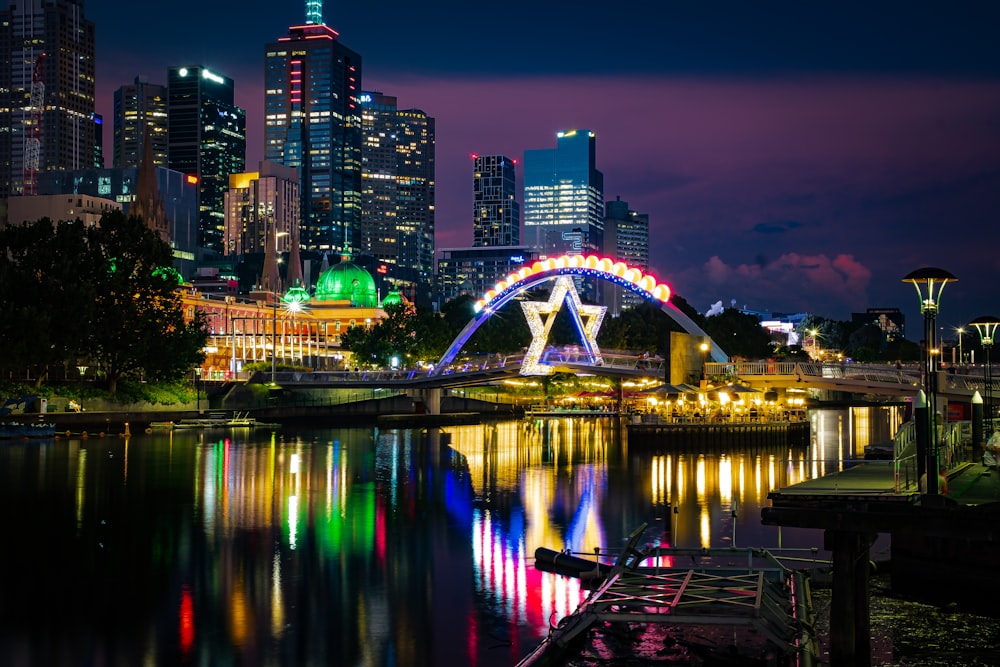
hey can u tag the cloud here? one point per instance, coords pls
(778, 227)
(801, 282)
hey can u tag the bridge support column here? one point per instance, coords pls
(430, 399)
(850, 622)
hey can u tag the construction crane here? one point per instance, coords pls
(33, 133)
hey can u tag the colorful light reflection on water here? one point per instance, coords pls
(356, 546)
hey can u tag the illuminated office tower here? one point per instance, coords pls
(260, 205)
(564, 197)
(140, 106)
(397, 203)
(626, 239)
(496, 216)
(312, 121)
(46, 91)
(206, 138)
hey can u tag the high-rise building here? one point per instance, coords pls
(496, 216)
(98, 141)
(312, 121)
(176, 191)
(46, 91)
(140, 106)
(476, 270)
(206, 138)
(626, 239)
(262, 207)
(397, 203)
(564, 197)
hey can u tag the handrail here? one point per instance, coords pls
(953, 436)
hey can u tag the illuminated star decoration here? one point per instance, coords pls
(587, 319)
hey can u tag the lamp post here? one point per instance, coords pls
(987, 327)
(274, 311)
(932, 280)
(960, 331)
(812, 334)
(197, 387)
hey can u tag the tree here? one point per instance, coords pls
(45, 295)
(739, 334)
(140, 320)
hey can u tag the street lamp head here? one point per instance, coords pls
(934, 279)
(987, 327)
(703, 347)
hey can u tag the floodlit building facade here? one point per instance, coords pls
(260, 205)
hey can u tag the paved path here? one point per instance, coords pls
(968, 484)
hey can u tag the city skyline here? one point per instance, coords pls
(792, 160)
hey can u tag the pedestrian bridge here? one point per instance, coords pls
(854, 378)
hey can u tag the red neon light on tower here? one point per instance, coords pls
(33, 135)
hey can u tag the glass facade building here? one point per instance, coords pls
(476, 270)
(626, 239)
(56, 131)
(121, 184)
(564, 197)
(496, 216)
(206, 137)
(312, 121)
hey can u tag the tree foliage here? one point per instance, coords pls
(104, 295)
(739, 334)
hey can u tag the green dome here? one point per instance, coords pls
(392, 298)
(347, 282)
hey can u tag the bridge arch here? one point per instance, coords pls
(588, 266)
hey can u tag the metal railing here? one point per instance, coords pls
(954, 437)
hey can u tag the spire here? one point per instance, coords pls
(270, 279)
(314, 12)
(148, 203)
(293, 274)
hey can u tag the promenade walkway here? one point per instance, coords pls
(968, 484)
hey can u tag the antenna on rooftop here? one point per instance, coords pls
(314, 12)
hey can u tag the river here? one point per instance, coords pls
(358, 546)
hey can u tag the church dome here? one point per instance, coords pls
(347, 282)
(393, 298)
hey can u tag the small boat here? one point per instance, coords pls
(39, 429)
(219, 421)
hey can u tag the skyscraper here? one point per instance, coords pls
(259, 206)
(496, 216)
(140, 106)
(46, 91)
(312, 121)
(626, 239)
(206, 137)
(564, 196)
(397, 203)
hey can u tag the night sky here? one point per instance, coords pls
(791, 156)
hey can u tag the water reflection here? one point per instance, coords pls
(356, 546)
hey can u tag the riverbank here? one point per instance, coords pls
(914, 634)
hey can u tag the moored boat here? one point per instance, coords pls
(15, 429)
